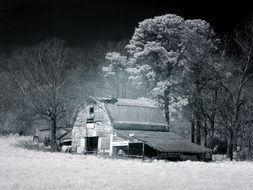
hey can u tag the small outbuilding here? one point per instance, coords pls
(133, 128)
(63, 135)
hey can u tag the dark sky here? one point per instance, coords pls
(82, 22)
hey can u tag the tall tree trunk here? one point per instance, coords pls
(230, 146)
(249, 150)
(147, 88)
(197, 111)
(212, 129)
(193, 129)
(166, 106)
(250, 143)
(53, 134)
(198, 129)
(205, 134)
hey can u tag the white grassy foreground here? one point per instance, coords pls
(28, 169)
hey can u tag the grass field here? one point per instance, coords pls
(29, 169)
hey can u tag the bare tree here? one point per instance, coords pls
(40, 75)
(234, 84)
(199, 71)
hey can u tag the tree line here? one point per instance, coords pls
(202, 83)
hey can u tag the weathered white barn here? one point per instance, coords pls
(129, 127)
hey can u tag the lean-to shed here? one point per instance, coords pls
(129, 127)
(63, 134)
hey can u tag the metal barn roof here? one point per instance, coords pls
(163, 141)
(134, 114)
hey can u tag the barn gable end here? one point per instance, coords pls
(91, 121)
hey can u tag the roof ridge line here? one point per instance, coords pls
(154, 107)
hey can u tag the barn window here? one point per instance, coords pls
(91, 110)
(90, 120)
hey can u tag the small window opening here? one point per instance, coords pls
(91, 110)
(90, 120)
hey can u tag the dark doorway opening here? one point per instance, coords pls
(91, 144)
(135, 149)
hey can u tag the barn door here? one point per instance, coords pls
(92, 144)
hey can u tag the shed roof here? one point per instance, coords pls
(132, 114)
(65, 134)
(163, 141)
(58, 128)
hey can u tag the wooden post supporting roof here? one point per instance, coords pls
(111, 147)
(143, 150)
